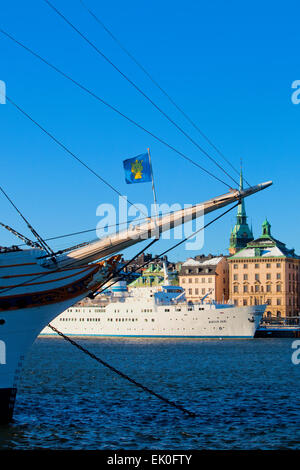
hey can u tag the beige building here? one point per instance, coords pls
(205, 276)
(265, 271)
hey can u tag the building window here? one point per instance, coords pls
(257, 277)
(235, 277)
(196, 279)
(278, 265)
(278, 313)
(268, 265)
(256, 288)
(235, 301)
(190, 280)
(235, 266)
(203, 291)
(278, 288)
(268, 275)
(256, 265)
(196, 291)
(235, 289)
(268, 287)
(245, 266)
(245, 302)
(190, 291)
(278, 301)
(245, 277)
(245, 288)
(268, 301)
(278, 276)
(183, 280)
(209, 279)
(203, 279)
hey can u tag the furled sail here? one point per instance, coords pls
(129, 237)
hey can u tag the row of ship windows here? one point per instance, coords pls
(133, 319)
(96, 310)
(98, 319)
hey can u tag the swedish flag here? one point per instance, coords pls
(137, 169)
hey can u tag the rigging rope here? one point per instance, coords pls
(42, 243)
(72, 154)
(172, 247)
(113, 108)
(27, 241)
(103, 226)
(83, 36)
(113, 275)
(187, 117)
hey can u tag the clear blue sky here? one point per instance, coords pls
(230, 65)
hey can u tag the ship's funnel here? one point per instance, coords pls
(129, 237)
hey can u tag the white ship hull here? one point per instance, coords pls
(180, 321)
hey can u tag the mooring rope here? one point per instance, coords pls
(121, 374)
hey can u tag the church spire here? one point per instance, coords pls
(241, 234)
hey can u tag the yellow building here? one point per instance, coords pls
(266, 272)
(205, 276)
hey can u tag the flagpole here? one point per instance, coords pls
(153, 189)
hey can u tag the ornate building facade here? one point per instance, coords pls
(266, 271)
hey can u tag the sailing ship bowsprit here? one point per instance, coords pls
(35, 287)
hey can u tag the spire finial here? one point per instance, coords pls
(241, 175)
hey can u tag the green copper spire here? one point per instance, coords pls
(241, 233)
(266, 229)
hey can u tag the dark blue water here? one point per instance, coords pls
(245, 392)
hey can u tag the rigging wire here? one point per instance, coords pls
(83, 36)
(42, 242)
(27, 241)
(154, 81)
(172, 247)
(113, 108)
(95, 229)
(72, 154)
